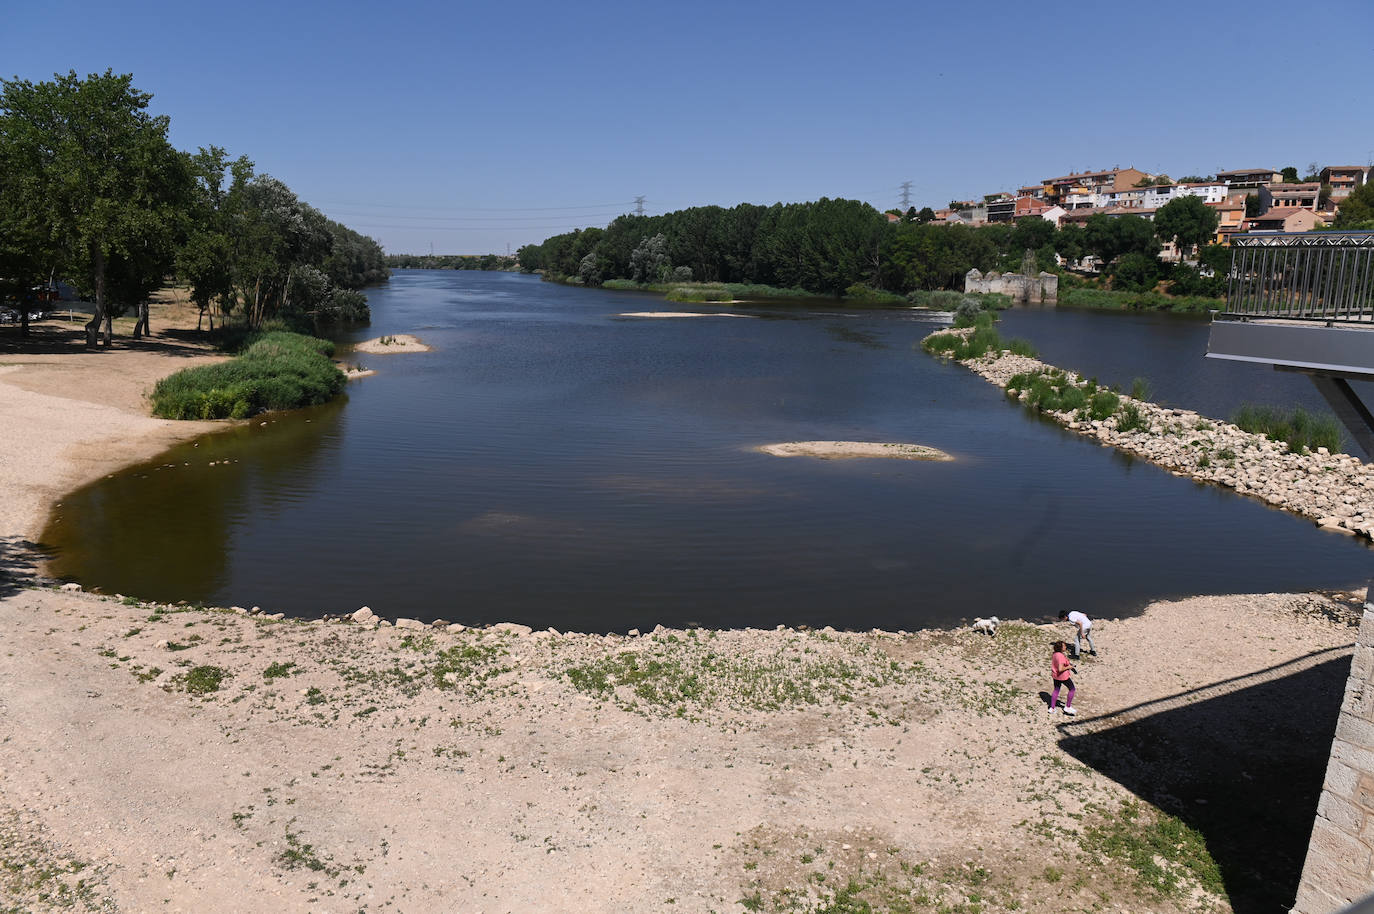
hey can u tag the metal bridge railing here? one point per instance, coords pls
(1316, 276)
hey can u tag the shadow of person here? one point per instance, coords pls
(1241, 761)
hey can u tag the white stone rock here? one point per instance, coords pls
(513, 628)
(363, 615)
(456, 627)
(412, 624)
(72, 588)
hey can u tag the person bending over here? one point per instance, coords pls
(1083, 627)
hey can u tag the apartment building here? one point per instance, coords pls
(1246, 179)
(1287, 196)
(1344, 178)
(1081, 185)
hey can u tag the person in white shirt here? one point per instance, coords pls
(1083, 631)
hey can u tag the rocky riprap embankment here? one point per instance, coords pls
(1334, 490)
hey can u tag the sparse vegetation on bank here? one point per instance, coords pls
(1297, 428)
(983, 339)
(276, 370)
(1106, 300)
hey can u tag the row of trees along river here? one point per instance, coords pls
(828, 246)
(92, 193)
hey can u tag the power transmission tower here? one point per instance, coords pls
(639, 205)
(906, 195)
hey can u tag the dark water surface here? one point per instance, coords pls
(557, 464)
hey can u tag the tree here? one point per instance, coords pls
(925, 215)
(1252, 206)
(1357, 210)
(1109, 237)
(650, 261)
(1135, 272)
(96, 175)
(1186, 221)
(1289, 175)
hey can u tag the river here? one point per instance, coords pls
(555, 463)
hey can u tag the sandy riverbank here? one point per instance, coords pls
(162, 758)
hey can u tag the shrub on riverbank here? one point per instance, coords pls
(983, 340)
(1138, 301)
(276, 370)
(708, 291)
(1297, 428)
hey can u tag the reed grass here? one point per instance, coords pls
(1299, 429)
(276, 370)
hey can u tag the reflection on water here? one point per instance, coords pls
(555, 464)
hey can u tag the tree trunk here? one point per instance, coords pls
(141, 328)
(98, 274)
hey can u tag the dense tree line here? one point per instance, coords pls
(451, 261)
(826, 246)
(92, 192)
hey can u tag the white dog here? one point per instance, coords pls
(986, 625)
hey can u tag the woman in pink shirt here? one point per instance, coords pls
(1061, 674)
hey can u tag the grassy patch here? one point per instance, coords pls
(201, 680)
(688, 676)
(278, 370)
(1167, 857)
(1138, 301)
(1297, 428)
(279, 671)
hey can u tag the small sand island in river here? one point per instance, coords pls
(830, 450)
(400, 342)
(680, 314)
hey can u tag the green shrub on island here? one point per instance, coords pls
(1131, 418)
(1049, 391)
(276, 370)
(1103, 405)
(961, 347)
(1297, 428)
(1018, 346)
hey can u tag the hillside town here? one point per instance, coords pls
(1245, 199)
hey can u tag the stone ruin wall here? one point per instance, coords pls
(1022, 288)
(1340, 856)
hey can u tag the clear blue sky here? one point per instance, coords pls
(474, 126)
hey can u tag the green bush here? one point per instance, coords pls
(1297, 428)
(1130, 418)
(277, 370)
(699, 294)
(862, 294)
(1103, 404)
(1140, 389)
(203, 679)
(1023, 347)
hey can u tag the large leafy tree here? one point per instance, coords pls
(1186, 221)
(97, 180)
(1357, 210)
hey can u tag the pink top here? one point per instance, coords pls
(1059, 667)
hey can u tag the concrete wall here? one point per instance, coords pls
(1340, 857)
(1022, 288)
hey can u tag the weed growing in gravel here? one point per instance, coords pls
(687, 675)
(1131, 419)
(201, 680)
(279, 670)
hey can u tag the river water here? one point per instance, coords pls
(556, 463)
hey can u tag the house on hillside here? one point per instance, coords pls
(1286, 196)
(1081, 185)
(1287, 219)
(1243, 180)
(1344, 178)
(1231, 214)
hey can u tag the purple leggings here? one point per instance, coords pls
(1054, 695)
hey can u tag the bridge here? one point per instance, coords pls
(1304, 301)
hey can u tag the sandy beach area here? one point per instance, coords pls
(396, 342)
(166, 758)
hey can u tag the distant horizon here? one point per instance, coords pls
(473, 130)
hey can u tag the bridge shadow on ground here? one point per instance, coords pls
(1241, 761)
